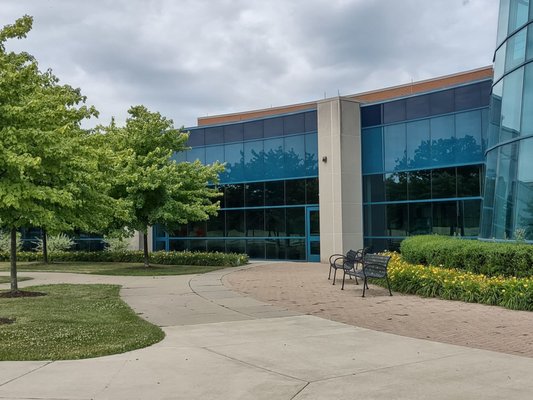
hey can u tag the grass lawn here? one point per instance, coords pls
(72, 322)
(126, 269)
(7, 279)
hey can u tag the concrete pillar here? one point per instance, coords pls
(340, 179)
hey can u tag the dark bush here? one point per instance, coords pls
(487, 258)
(158, 257)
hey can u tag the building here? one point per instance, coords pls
(309, 180)
(508, 201)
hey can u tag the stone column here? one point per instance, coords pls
(340, 179)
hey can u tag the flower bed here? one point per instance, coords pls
(453, 284)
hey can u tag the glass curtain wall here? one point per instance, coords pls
(271, 177)
(423, 162)
(508, 201)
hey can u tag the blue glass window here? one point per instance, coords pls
(274, 158)
(499, 62)
(253, 160)
(214, 153)
(511, 105)
(468, 97)
(311, 154)
(503, 21)
(197, 153)
(233, 133)
(311, 121)
(418, 144)
(254, 194)
(196, 137)
(294, 156)
(442, 140)
(372, 152)
(214, 135)
(516, 50)
(417, 107)
(371, 115)
(518, 14)
(273, 127)
(253, 130)
(468, 137)
(179, 156)
(529, 49)
(234, 162)
(394, 111)
(527, 117)
(441, 102)
(395, 147)
(373, 188)
(294, 124)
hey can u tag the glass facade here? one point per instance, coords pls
(270, 181)
(508, 202)
(422, 162)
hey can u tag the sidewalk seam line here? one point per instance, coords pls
(27, 373)
(253, 365)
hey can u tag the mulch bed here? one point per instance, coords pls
(20, 293)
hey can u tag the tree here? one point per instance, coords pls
(51, 171)
(158, 189)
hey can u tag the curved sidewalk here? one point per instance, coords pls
(222, 345)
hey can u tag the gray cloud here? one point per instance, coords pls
(192, 58)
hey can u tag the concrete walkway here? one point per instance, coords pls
(221, 345)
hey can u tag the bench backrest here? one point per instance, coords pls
(375, 265)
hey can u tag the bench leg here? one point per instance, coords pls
(343, 276)
(388, 284)
(365, 285)
(329, 276)
(334, 275)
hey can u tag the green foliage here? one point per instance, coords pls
(158, 257)
(455, 284)
(116, 244)
(158, 189)
(5, 242)
(72, 322)
(488, 258)
(55, 243)
(53, 174)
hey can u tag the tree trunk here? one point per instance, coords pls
(45, 246)
(145, 248)
(13, 259)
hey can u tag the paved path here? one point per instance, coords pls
(303, 287)
(221, 345)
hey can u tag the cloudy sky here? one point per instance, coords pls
(190, 58)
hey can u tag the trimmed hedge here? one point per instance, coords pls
(454, 284)
(158, 257)
(487, 258)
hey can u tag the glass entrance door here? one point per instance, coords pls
(313, 234)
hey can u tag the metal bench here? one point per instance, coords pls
(374, 266)
(340, 261)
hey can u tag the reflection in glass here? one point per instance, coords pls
(420, 218)
(296, 221)
(395, 147)
(445, 218)
(255, 248)
(216, 225)
(372, 150)
(511, 105)
(397, 221)
(255, 223)
(295, 192)
(468, 181)
(234, 223)
(294, 156)
(275, 193)
(254, 194)
(275, 222)
(443, 183)
(418, 144)
(234, 196)
(311, 188)
(396, 186)
(419, 187)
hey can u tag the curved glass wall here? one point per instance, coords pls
(508, 198)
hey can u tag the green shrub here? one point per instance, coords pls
(158, 257)
(5, 242)
(454, 284)
(55, 243)
(487, 258)
(116, 244)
